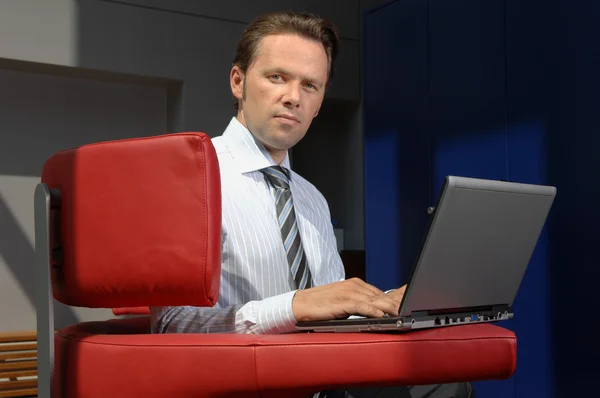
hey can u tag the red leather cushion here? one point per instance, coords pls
(444, 355)
(116, 358)
(131, 311)
(140, 222)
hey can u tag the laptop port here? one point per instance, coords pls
(447, 321)
(437, 322)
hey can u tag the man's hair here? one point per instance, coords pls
(305, 25)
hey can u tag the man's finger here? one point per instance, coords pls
(362, 285)
(396, 295)
(386, 305)
(363, 308)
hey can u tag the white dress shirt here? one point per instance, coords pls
(256, 284)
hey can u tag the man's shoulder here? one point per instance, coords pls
(227, 165)
(219, 144)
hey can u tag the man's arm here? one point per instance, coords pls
(268, 316)
(278, 314)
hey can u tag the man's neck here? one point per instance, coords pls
(278, 155)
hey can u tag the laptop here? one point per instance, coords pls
(480, 241)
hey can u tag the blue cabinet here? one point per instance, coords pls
(491, 89)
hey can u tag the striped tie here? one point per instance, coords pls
(286, 217)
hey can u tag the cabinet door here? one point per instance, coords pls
(396, 143)
(467, 86)
(467, 113)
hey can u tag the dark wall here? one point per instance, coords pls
(501, 89)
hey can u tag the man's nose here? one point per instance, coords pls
(292, 96)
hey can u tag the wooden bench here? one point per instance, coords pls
(18, 364)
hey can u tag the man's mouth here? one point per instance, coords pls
(285, 118)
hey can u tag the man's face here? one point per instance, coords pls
(282, 91)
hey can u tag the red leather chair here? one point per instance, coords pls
(136, 223)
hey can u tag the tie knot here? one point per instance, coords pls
(277, 176)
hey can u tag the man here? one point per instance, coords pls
(280, 263)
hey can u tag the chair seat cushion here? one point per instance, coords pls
(119, 358)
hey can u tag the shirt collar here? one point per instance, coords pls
(248, 153)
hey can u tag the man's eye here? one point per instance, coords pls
(310, 85)
(276, 77)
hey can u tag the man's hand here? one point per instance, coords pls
(341, 299)
(398, 293)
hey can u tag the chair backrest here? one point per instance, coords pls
(138, 224)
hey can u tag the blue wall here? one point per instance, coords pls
(502, 89)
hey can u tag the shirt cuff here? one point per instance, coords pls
(275, 314)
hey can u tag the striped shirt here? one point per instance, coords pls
(256, 288)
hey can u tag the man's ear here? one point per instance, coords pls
(236, 80)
